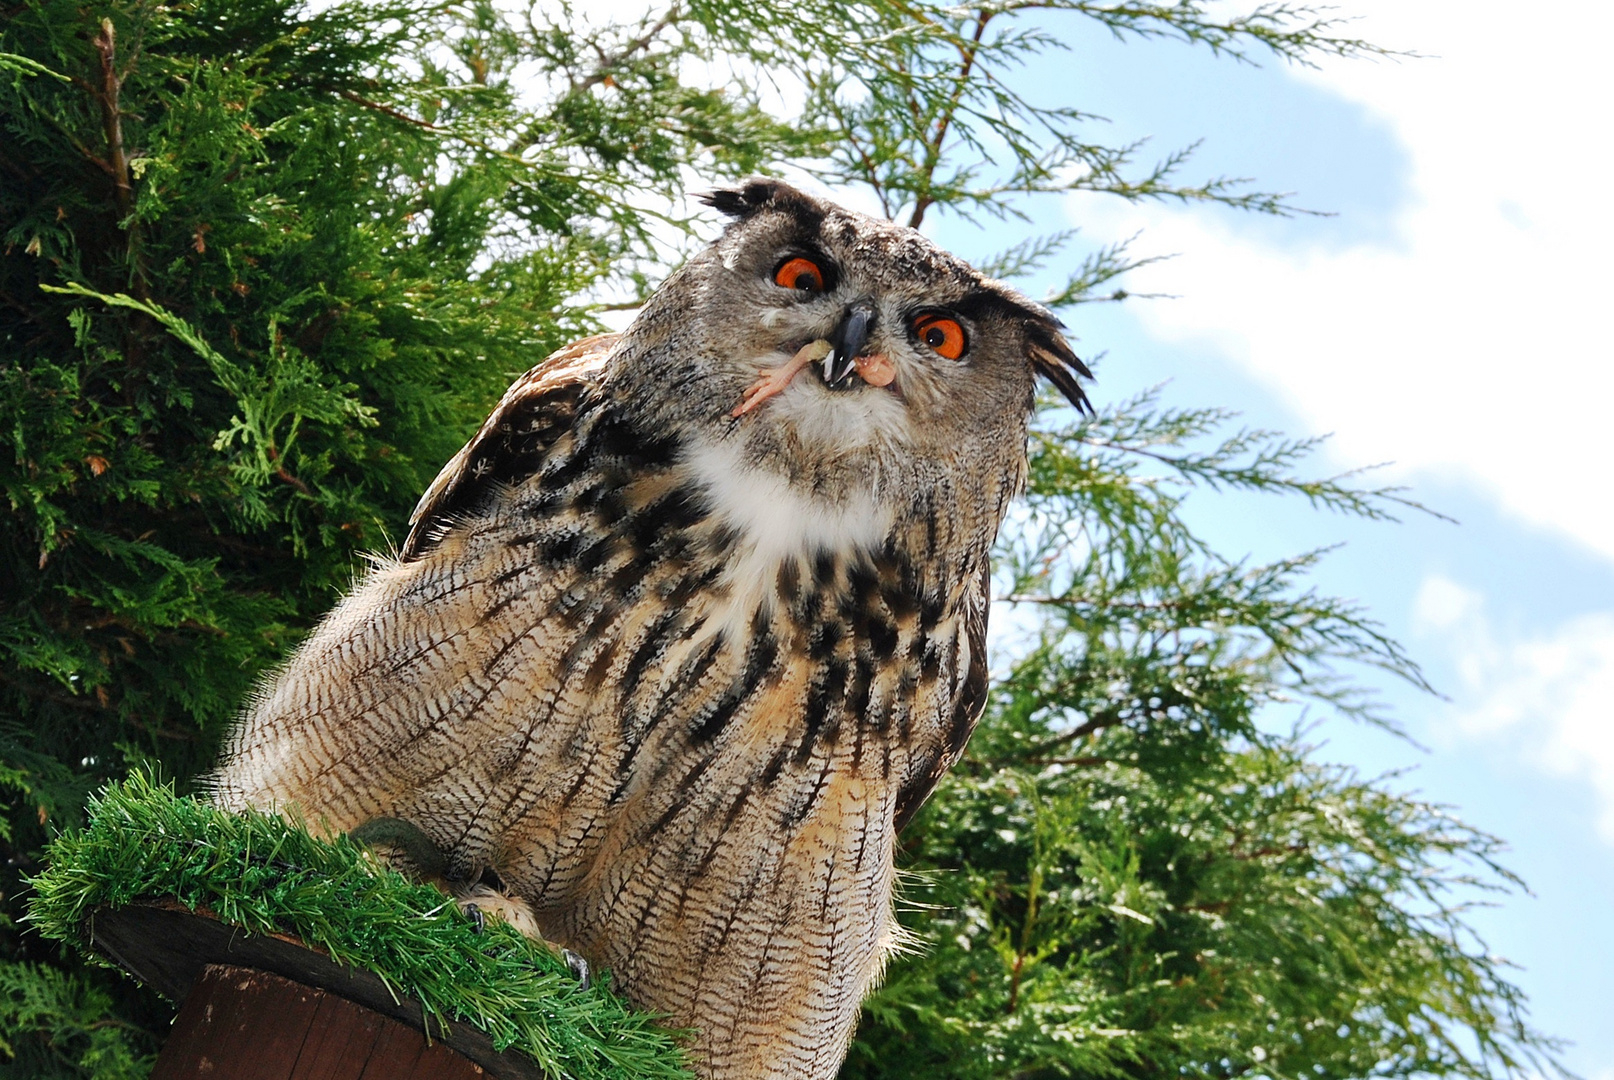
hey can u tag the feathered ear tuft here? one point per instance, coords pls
(743, 200)
(1052, 357)
(1047, 350)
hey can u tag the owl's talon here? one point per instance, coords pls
(578, 967)
(479, 921)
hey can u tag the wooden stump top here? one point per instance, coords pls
(170, 949)
(245, 1024)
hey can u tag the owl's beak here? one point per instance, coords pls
(847, 341)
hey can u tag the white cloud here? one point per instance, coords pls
(1550, 699)
(1477, 344)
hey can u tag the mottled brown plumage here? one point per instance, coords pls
(679, 677)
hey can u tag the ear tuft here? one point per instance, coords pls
(1052, 357)
(743, 200)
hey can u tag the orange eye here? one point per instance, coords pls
(800, 273)
(940, 333)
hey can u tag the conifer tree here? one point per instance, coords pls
(263, 268)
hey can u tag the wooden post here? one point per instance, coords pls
(250, 1025)
(269, 1007)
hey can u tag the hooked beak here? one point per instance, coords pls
(846, 343)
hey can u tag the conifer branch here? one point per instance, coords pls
(107, 94)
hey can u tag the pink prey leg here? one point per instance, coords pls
(877, 369)
(771, 381)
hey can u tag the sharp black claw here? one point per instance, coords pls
(478, 921)
(578, 967)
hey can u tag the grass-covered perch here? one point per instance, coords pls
(263, 874)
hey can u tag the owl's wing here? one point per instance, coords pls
(967, 707)
(537, 410)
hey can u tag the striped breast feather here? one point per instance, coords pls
(934, 761)
(538, 409)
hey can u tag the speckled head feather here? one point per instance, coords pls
(676, 671)
(1047, 351)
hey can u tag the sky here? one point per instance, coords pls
(1447, 319)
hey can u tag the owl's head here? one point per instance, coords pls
(965, 350)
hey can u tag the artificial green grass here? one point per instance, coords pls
(264, 874)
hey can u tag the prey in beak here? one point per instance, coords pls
(839, 356)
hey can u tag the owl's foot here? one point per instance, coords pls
(406, 847)
(772, 381)
(481, 902)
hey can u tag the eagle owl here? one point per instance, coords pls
(675, 651)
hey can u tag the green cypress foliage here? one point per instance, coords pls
(262, 270)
